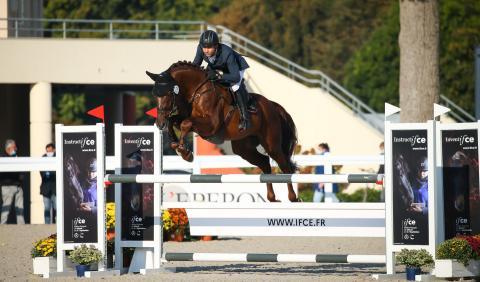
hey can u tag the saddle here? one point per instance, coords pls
(251, 103)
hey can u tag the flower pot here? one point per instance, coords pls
(177, 236)
(81, 268)
(206, 238)
(110, 234)
(447, 268)
(411, 271)
(41, 265)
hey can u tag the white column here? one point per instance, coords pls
(40, 136)
(3, 15)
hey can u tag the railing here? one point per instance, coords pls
(457, 112)
(109, 29)
(177, 163)
(312, 78)
(151, 29)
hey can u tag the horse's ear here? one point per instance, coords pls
(154, 77)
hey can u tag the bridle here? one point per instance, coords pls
(173, 110)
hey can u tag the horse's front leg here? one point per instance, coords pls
(173, 137)
(185, 128)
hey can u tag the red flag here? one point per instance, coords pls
(98, 112)
(152, 112)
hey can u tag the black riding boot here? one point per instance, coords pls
(242, 98)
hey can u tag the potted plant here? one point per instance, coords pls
(458, 257)
(180, 222)
(413, 261)
(110, 226)
(43, 253)
(168, 225)
(83, 256)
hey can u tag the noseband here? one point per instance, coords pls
(172, 111)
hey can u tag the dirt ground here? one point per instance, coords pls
(16, 263)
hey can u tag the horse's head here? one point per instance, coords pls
(165, 90)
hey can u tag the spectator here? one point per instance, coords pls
(319, 188)
(11, 186)
(48, 188)
(381, 169)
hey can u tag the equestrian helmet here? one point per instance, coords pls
(209, 38)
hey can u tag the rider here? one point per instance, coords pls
(221, 57)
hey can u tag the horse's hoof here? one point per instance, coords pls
(274, 200)
(189, 157)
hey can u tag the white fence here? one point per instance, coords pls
(227, 161)
(177, 163)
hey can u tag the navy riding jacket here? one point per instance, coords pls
(226, 60)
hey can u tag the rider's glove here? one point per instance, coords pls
(212, 75)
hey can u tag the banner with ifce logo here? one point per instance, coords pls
(460, 182)
(410, 187)
(137, 153)
(80, 187)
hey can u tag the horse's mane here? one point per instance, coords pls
(184, 65)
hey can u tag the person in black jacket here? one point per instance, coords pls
(220, 57)
(48, 188)
(11, 186)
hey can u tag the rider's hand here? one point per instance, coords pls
(85, 207)
(212, 75)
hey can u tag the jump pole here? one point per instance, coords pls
(287, 258)
(244, 178)
(262, 178)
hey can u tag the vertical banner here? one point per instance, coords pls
(410, 187)
(460, 181)
(137, 206)
(80, 200)
(80, 192)
(137, 155)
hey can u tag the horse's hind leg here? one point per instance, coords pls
(284, 163)
(247, 149)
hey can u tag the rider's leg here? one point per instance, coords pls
(241, 96)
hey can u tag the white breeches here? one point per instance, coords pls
(236, 86)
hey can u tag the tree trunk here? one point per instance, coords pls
(419, 50)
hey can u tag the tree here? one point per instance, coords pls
(419, 59)
(373, 71)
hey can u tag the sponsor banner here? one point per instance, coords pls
(460, 182)
(224, 192)
(137, 153)
(289, 221)
(410, 187)
(80, 187)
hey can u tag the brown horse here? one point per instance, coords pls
(189, 101)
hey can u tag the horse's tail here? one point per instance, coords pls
(289, 135)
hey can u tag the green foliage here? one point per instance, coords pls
(143, 103)
(135, 10)
(361, 195)
(131, 10)
(415, 258)
(85, 255)
(306, 194)
(69, 108)
(459, 35)
(456, 248)
(313, 33)
(373, 72)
